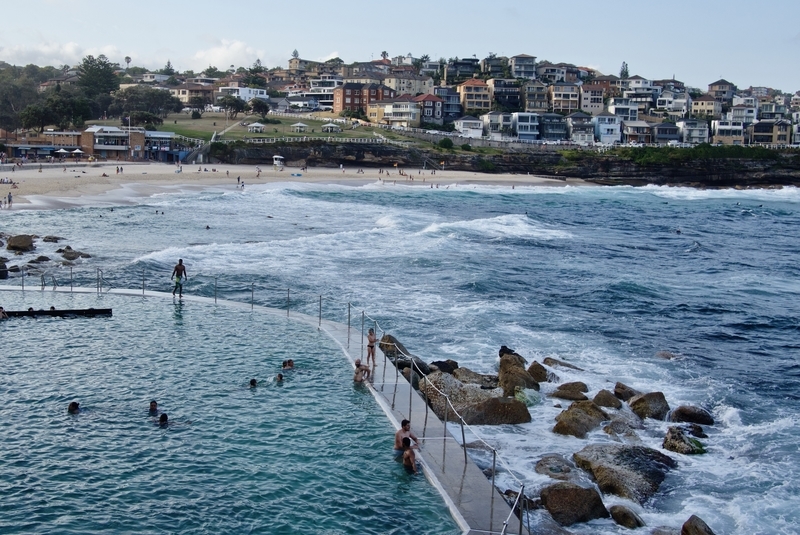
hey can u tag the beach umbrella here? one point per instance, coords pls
(77, 151)
(62, 151)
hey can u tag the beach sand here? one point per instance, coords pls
(85, 185)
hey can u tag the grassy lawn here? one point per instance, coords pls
(210, 122)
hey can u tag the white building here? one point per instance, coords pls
(607, 128)
(525, 125)
(497, 124)
(673, 101)
(469, 126)
(321, 89)
(153, 78)
(693, 130)
(624, 109)
(243, 93)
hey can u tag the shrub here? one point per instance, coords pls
(446, 143)
(196, 114)
(466, 146)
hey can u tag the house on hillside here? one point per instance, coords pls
(431, 108)
(523, 66)
(525, 125)
(580, 128)
(496, 124)
(469, 126)
(506, 92)
(451, 102)
(624, 109)
(636, 132)
(693, 130)
(564, 97)
(706, 106)
(607, 128)
(771, 132)
(722, 91)
(663, 133)
(552, 127)
(475, 95)
(592, 97)
(728, 132)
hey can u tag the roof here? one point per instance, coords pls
(636, 77)
(468, 118)
(579, 115)
(721, 81)
(605, 113)
(423, 98)
(474, 82)
(523, 56)
(705, 98)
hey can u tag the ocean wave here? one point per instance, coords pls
(509, 226)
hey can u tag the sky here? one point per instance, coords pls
(697, 42)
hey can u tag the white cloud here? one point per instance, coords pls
(226, 53)
(332, 55)
(55, 54)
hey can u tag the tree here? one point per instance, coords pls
(142, 117)
(213, 72)
(172, 81)
(233, 105)
(384, 54)
(67, 109)
(295, 54)
(127, 62)
(418, 63)
(35, 116)
(97, 76)
(168, 69)
(260, 107)
(198, 104)
(623, 71)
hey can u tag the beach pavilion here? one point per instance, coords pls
(299, 127)
(331, 128)
(257, 128)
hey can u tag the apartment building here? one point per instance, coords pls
(564, 97)
(592, 96)
(475, 95)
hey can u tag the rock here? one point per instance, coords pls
(569, 395)
(39, 259)
(677, 441)
(512, 377)
(666, 355)
(631, 471)
(71, 255)
(13, 269)
(511, 360)
(626, 517)
(496, 411)
(460, 394)
(624, 392)
(22, 243)
(556, 466)
(540, 373)
(692, 414)
(651, 405)
(555, 362)
(604, 398)
(412, 377)
(446, 366)
(85, 255)
(52, 239)
(389, 345)
(575, 386)
(467, 376)
(695, 526)
(568, 503)
(694, 430)
(664, 530)
(3, 271)
(580, 418)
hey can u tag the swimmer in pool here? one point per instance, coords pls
(361, 372)
(409, 458)
(153, 408)
(163, 420)
(74, 407)
(404, 432)
(279, 378)
(253, 383)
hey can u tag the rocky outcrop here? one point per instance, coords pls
(556, 467)
(604, 398)
(691, 414)
(695, 526)
(555, 363)
(626, 517)
(446, 366)
(677, 441)
(21, 243)
(579, 418)
(540, 373)
(71, 254)
(391, 347)
(624, 392)
(568, 503)
(633, 472)
(571, 391)
(467, 376)
(460, 395)
(52, 239)
(651, 405)
(512, 374)
(496, 411)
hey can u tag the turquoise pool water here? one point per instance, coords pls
(308, 456)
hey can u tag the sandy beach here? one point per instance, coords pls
(85, 184)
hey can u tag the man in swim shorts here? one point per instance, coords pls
(178, 272)
(403, 432)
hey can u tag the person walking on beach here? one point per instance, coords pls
(404, 432)
(178, 272)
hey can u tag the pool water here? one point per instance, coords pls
(311, 455)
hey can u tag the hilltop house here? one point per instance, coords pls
(607, 128)
(469, 126)
(475, 95)
(693, 130)
(706, 106)
(592, 96)
(580, 128)
(523, 66)
(722, 91)
(564, 97)
(525, 125)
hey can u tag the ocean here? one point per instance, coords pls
(604, 278)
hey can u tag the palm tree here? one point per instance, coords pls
(128, 62)
(384, 54)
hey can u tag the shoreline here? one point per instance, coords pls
(84, 184)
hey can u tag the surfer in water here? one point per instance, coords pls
(178, 272)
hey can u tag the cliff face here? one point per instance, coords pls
(604, 169)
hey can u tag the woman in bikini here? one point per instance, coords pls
(371, 346)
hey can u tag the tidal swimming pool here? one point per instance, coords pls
(311, 455)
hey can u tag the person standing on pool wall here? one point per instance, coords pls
(371, 346)
(178, 272)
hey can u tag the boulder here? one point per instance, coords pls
(555, 362)
(694, 430)
(631, 471)
(540, 373)
(695, 526)
(512, 377)
(412, 377)
(651, 405)
(3, 271)
(460, 395)
(626, 517)
(666, 355)
(446, 366)
(467, 376)
(511, 360)
(677, 441)
(568, 503)
(390, 346)
(580, 418)
(496, 411)
(52, 239)
(691, 414)
(570, 395)
(624, 392)
(71, 255)
(604, 398)
(21, 243)
(557, 467)
(664, 530)
(575, 386)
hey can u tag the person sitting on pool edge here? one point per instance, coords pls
(361, 372)
(74, 407)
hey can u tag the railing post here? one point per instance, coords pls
(22, 272)
(215, 290)
(444, 426)
(348, 325)
(494, 471)
(252, 295)
(463, 440)
(320, 311)
(287, 302)
(521, 510)
(70, 279)
(142, 282)
(362, 334)
(410, 387)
